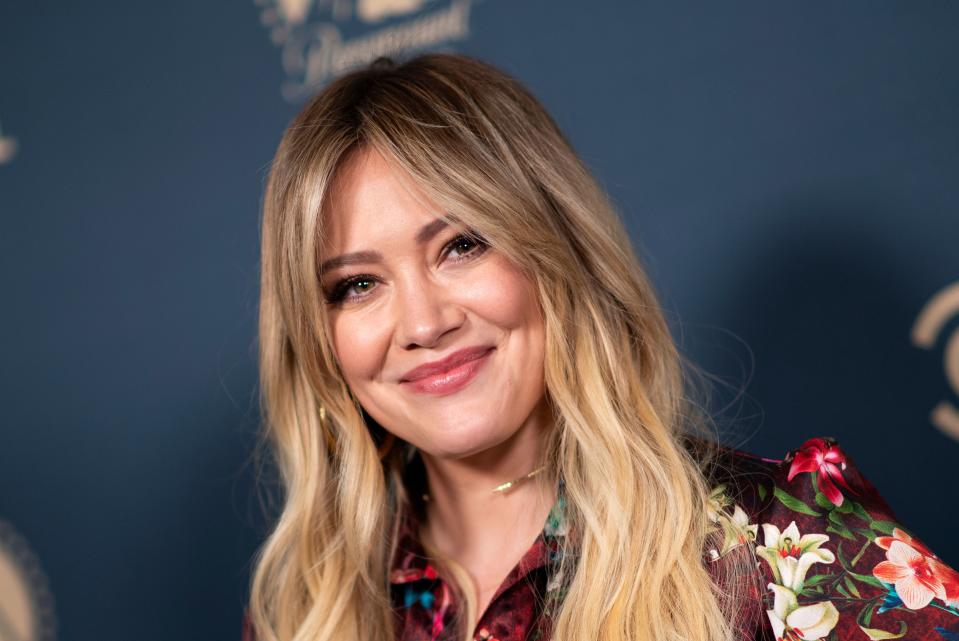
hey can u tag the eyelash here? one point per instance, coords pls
(338, 295)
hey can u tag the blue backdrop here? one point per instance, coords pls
(788, 171)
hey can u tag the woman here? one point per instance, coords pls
(481, 421)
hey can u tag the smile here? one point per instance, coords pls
(450, 375)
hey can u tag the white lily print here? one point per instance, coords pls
(790, 555)
(736, 528)
(717, 502)
(792, 622)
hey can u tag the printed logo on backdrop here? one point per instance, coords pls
(26, 606)
(926, 333)
(320, 39)
(8, 149)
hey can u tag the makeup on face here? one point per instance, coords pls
(450, 374)
(438, 335)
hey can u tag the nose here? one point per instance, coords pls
(425, 312)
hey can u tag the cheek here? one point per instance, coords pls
(504, 298)
(359, 348)
(501, 294)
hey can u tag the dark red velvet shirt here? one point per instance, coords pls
(835, 562)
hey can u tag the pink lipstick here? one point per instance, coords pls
(447, 375)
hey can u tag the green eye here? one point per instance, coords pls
(359, 284)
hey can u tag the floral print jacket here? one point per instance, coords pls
(836, 563)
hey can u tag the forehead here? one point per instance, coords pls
(369, 198)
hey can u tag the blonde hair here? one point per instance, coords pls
(485, 150)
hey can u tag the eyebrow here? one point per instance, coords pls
(424, 235)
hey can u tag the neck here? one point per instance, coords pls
(463, 508)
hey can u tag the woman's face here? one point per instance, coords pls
(439, 337)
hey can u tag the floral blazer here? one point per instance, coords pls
(835, 563)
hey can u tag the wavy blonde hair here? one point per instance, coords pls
(485, 150)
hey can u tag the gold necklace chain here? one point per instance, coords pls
(505, 486)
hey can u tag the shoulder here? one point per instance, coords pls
(817, 480)
(835, 560)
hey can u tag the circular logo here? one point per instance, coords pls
(26, 604)
(930, 323)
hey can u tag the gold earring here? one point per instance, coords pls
(384, 449)
(330, 441)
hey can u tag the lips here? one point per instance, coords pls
(451, 362)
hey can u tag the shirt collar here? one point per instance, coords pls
(410, 562)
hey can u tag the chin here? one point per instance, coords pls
(459, 441)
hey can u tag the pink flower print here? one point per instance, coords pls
(900, 535)
(824, 457)
(403, 575)
(911, 572)
(950, 581)
(942, 573)
(439, 617)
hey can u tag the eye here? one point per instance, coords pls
(466, 245)
(355, 288)
(358, 285)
